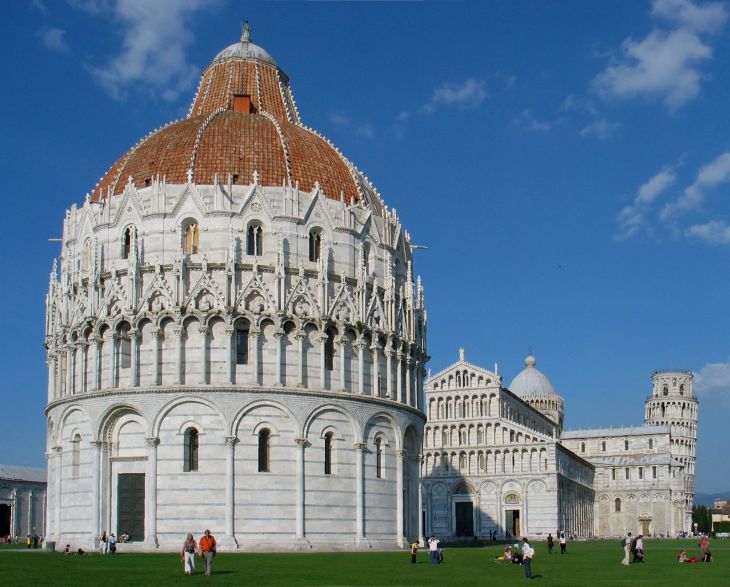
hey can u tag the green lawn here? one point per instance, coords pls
(592, 564)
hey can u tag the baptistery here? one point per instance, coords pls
(235, 337)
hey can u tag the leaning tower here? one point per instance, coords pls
(673, 404)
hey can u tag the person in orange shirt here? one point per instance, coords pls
(207, 546)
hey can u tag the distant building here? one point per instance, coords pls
(720, 512)
(496, 459)
(22, 501)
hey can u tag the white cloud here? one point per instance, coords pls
(702, 18)
(41, 7)
(364, 130)
(713, 378)
(527, 120)
(631, 218)
(468, 94)
(715, 232)
(712, 174)
(601, 129)
(665, 65)
(156, 36)
(53, 39)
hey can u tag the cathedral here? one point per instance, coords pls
(236, 340)
(497, 460)
(235, 337)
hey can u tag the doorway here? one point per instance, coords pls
(464, 518)
(4, 520)
(130, 505)
(512, 522)
(645, 527)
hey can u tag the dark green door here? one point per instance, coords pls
(464, 518)
(130, 505)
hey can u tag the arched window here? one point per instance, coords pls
(328, 453)
(315, 244)
(329, 350)
(603, 446)
(617, 505)
(582, 447)
(191, 235)
(76, 455)
(651, 443)
(241, 346)
(190, 457)
(264, 437)
(379, 458)
(626, 445)
(253, 240)
(127, 242)
(665, 390)
(681, 389)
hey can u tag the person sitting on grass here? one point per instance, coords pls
(682, 558)
(506, 556)
(67, 550)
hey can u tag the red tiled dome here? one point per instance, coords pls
(243, 119)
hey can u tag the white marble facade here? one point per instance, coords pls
(258, 383)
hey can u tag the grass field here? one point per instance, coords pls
(592, 564)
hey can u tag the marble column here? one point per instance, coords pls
(254, 333)
(150, 518)
(58, 474)
(389, 352)
(51, 379)
(231, 361)
(279, 336)
(178, 331)
(96, 362)
(399, 376)
(230, 487)
(359, 491)
(85, 368)
(68, 390)
(299, 336)
(400, 456)
(134, 359)
(48, 525)
(375, 348)
(322, 340)
(156, 376)
(421, 529)
(301, 446)
(341, 343)
(203, 378)
(95, 490)
(114, 360)
(409, 375)
(360, 345)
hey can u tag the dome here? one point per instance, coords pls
(531, 381)
(243, 120)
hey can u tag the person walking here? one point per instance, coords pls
(563, 543)
(705, 549)
(639, 549)
(550, 543)
(626, 543)
(112, 543)
(103, 542)
(527, 553)
(188, 554)
(208, 548)
(433, 548)
(414, 552)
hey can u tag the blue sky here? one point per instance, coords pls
(568, 165)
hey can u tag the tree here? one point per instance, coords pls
(702, 517)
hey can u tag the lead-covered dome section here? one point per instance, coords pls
(531, 381)
(243, 119)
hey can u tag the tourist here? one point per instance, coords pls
(112, 543)
(527, 553)
(208, 549)
(705, 549)
(103, 542)
(638, 549)
(550, 543)
(67, 550)
(433, 548)
(414, 551)
(34, 537)
(682, 558)
(28, 541)
(188, 554)
(506, 556)
(626, 543)
(563, 543)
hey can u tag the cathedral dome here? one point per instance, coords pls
(243, 121)
(531, 381)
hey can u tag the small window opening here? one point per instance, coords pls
(613, 474)
(147, 182)
(626, 445)
(253, 240)
(603, 446)
(641, 472)
(192, 238)
(242, 103)
(328, 453)
(651, 443)
(653, 472)
(626, 473)
(379, 458)
(76, 455)
(241, 347)
(582, 447)
(617, 505)
(329, 351)
(264, 436)
(127, 243)
(190, 462)
(315, 245)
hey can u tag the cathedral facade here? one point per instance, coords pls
(497, 460)
(235, 337)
